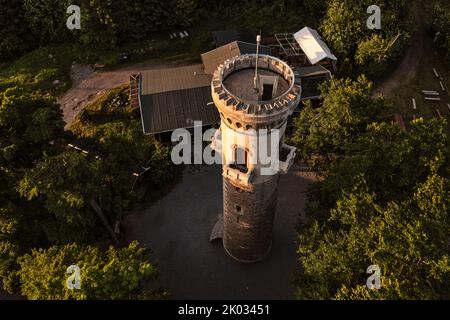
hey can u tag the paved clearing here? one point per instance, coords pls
(177, 229)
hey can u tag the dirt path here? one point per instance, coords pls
(87, 85)
(406, 70)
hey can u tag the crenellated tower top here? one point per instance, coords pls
(241, 107)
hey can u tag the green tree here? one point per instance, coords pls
(441, 24)
(14, 33)
(8, 255)
(344, 29)
(10, 218)
(315, 8)
(68, 187)
(17, 232)
(141, 18)
(187, 12)
(346, 111)
(373, 54)
(27, 124)
(392, 160)
(99, 19)
(114, 274)
(343, 26)
(47, 20)
(386, 204)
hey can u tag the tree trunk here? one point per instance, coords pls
(104, 221)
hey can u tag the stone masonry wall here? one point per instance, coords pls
(248, 219)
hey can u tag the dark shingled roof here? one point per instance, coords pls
(212, 59)
(175, 98)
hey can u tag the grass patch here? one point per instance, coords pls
(111, 106)
(45, 69)
(423, 80)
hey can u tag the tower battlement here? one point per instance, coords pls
(240, 106)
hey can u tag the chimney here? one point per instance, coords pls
(134, 90)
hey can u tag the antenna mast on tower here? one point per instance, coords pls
(255, 79)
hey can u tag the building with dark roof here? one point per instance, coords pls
(173, 98)
(224, 37)
(310, 79)
(212, 59)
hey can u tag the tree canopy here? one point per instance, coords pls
(55, 198)
(28, 123)
(441, 25)
(383, 200)
(14, 34)
(64, 185)
(112, 274)
(346, 110)
(359, 48)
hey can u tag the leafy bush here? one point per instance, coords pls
(114, 274)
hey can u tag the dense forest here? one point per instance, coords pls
(382, 199)
(383, 196)
(108, 24)
(58, 205)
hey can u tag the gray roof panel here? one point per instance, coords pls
(164, 80)
(167, 111)
(212, 59)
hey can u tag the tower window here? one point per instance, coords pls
(240, 159)
(239, 213)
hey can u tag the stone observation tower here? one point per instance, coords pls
(254, 94)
